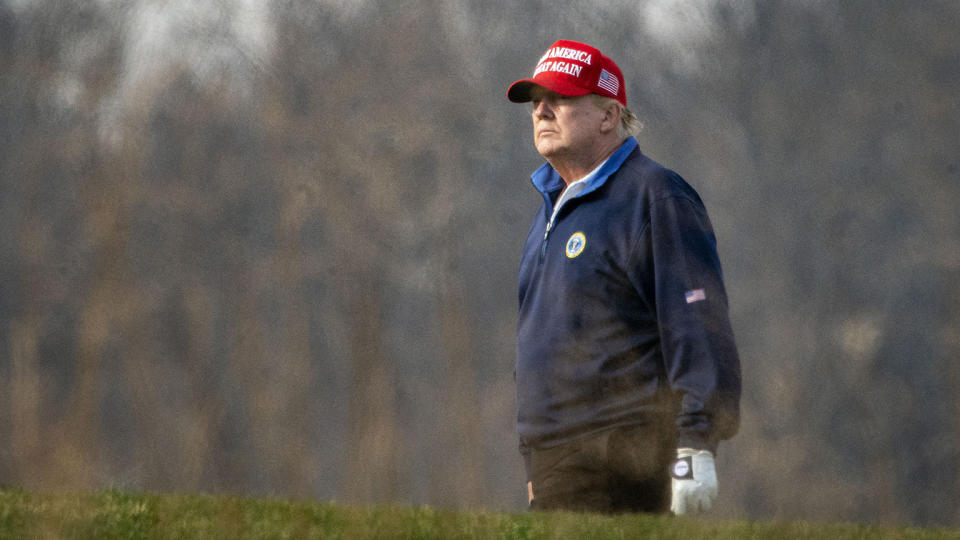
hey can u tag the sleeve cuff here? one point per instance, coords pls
(697, 442)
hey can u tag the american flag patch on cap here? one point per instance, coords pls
(609, 82)
(695, 295)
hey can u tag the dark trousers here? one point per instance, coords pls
(621, 470)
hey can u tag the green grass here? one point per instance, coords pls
(115, 514)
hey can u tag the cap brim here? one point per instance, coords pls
(519, 92)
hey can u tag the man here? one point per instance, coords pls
(627, 372)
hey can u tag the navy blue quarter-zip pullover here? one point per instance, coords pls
(623, 313)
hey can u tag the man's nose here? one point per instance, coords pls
(542, 108)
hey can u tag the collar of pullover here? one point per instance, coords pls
(547, 180)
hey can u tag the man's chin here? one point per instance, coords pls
(547, 150)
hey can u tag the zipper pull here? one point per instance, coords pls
(543, 245)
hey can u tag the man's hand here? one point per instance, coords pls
(694, 481)
(529, 492)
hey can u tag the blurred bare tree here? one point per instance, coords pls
(273, 250)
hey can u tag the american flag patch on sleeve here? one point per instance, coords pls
(695, 295)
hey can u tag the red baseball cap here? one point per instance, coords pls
(571, 68)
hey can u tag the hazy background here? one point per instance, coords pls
(272, 250)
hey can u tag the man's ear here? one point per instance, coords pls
(611, 118)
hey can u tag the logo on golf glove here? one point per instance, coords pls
(682, 468)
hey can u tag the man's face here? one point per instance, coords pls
(564, 126)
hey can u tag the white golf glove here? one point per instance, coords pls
(694, 481)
